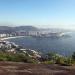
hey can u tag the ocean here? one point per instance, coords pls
(64, 45)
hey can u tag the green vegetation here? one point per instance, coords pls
(73, 56)
(18, 57)
(48, 62)
(50, 58)
(53, 58)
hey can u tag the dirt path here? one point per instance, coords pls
(12, 68)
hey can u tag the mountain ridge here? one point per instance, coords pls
(9, 29)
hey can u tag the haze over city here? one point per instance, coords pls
(38, 13)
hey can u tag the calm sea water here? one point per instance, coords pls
(64, 46)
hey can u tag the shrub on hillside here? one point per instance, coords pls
(73, 56)
(48, 62)
(18, 57)
(60, 60)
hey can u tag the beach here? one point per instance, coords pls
(6, 38)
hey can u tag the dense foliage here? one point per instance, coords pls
(53, 58)
(18, 57)
(50, 58)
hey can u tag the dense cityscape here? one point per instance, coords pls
(30, 32)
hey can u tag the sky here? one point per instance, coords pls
(39, 13)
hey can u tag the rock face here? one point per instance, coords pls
(7, 45)
(12, 47)
(31, 53)
(13, 68)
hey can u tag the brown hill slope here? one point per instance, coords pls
(15, 68)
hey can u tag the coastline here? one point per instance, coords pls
(6, 38)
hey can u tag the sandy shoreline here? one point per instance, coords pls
(6, 38)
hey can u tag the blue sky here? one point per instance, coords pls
(40, 13)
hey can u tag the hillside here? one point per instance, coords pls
(26, 28)
(14, 68)
(7, 29)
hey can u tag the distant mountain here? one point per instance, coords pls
(26, 28)
(7, 29)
